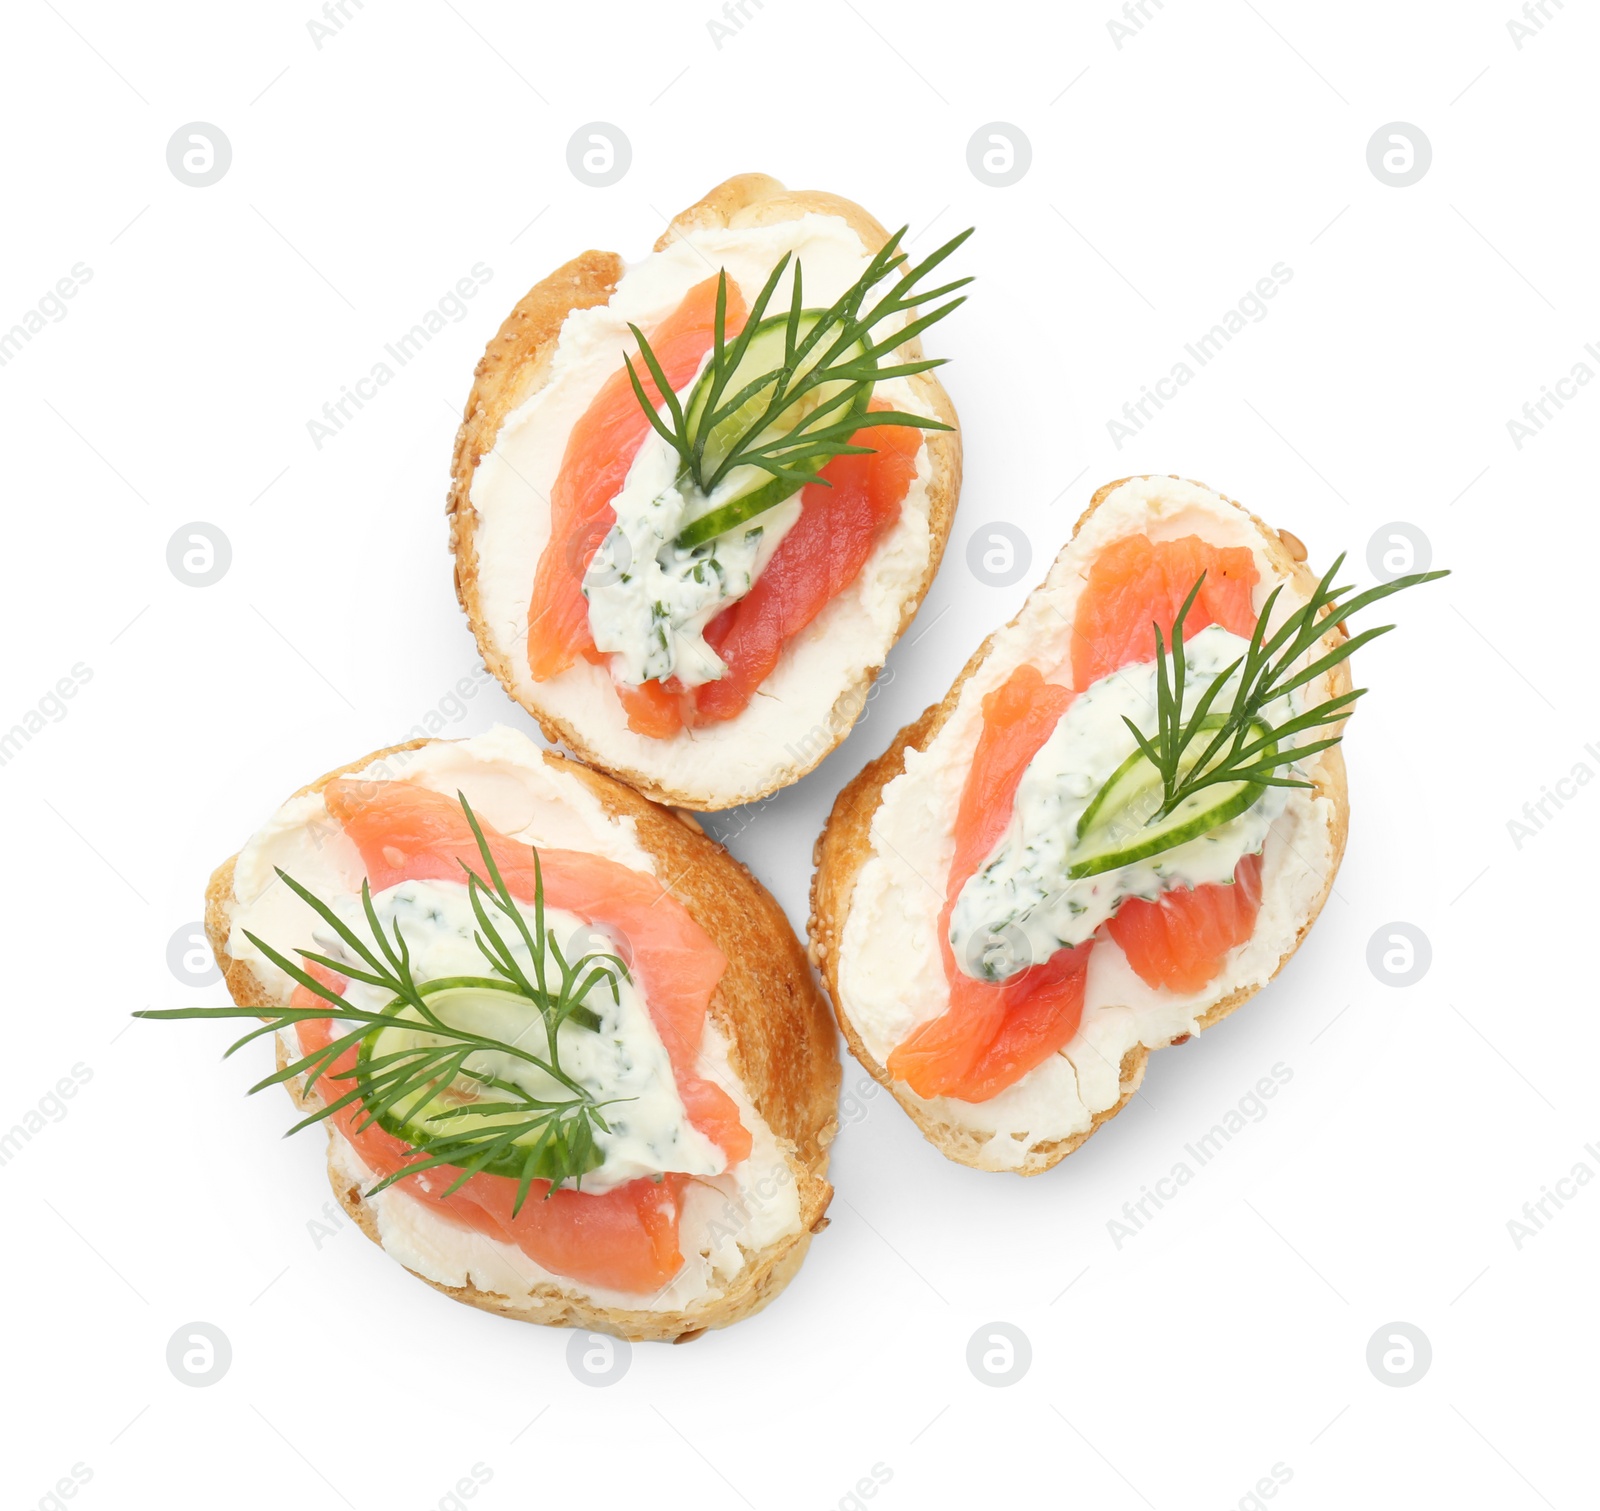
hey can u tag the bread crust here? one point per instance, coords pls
(844, 846)
(517, 364)
(781, 1047)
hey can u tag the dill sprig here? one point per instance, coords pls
(514, 1132)
(779, 421)
(1267, 671)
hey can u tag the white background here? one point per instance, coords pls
(1167, 176)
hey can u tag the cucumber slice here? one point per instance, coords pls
(1120, 825)
(496, 1009)
(756, 490)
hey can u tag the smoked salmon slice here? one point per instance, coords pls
(994, 1033)
(1136, 582)
(823, 553)
(406, 832)
(653, 708)
(1182, 938)
(594, 466)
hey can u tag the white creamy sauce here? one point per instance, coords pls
(1019, 907)
(727, 1213)
(624, 1064)
(650, 601)
(793, 721)
(891, 972)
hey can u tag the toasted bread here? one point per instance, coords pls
(849, 842)
(778, 738)
(781, 1043)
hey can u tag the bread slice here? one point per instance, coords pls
(760, 750)
(781, 1042)
(853, 838)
